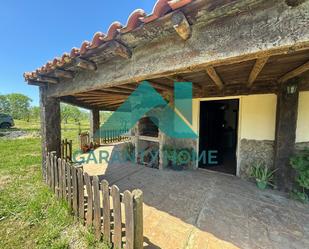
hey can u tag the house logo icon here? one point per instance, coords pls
(145, 101)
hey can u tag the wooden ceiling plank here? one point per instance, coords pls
(297, 71)
(177, 78)
(257, 68)
(161, 86)
(211, 71)
(127, 87)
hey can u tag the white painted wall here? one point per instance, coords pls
(302, 131)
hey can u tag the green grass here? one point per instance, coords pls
(30, 215)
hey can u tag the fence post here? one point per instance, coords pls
(75, 190)
(69, 183)
(81, 200)
(89, 214)
(128, 203)
(106, 211)
(64, 182)
(97, 208)
(56, 181)
(138, 218)
(71, 150)
(60, 181)
(47, 177)
(117, 217)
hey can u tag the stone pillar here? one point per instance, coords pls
(94, 124)
(286, 121)
(50, 126)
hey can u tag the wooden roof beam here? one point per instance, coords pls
(46, 79)
(181, 25)
(257, 68)
(85, 64)
(297, 71)
(215, 77)
(59, 73)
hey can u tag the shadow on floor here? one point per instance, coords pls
(203, 207)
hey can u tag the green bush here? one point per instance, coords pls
(300, 163)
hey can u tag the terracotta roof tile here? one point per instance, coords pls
(160, 9)
(136, 19)
(74, 52)
(97, 40)
(84, 47)
(113, 30)
(176, 4)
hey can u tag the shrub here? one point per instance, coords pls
(300, 163)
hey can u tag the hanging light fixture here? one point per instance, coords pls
(291, 88)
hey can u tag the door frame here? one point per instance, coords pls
(239, 98)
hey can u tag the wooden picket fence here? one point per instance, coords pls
(66, 150)
(112, 136)
(116, 217)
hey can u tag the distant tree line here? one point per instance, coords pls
(19, 107)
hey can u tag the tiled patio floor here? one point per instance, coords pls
(203, 209)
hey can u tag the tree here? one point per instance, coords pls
(70, 112)
(19, 105)
(4, 104)
(35, 113)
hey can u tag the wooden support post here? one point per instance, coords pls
(50, 126)
(286, 121)
(94, 124)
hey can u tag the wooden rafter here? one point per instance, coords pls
(297, 71)
(127, 87)
(46, 79)
(116, 92)
(181, 25)
(257, 68)
(105, 101)
(215, 77)
(63, 74)
(85, 64)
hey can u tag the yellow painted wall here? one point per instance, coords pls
(258, 117)
(302, 132)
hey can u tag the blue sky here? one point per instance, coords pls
(35, 31)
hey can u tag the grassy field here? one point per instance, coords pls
(30, 216)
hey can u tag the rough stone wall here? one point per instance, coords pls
(178, 143)
(252, 151)
(301, 146)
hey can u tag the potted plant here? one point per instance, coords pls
(300, 163)
(262, 175)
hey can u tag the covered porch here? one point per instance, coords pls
(205, 209)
